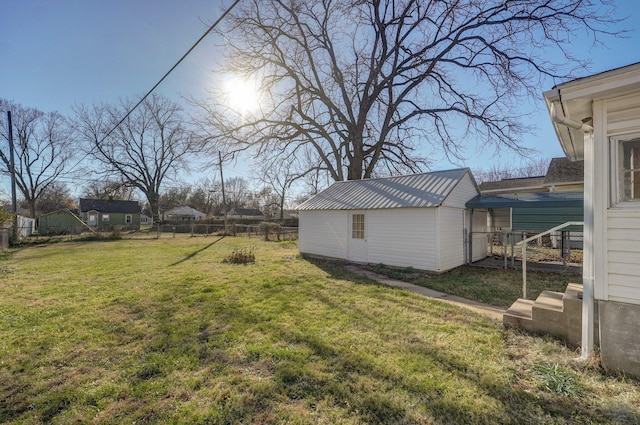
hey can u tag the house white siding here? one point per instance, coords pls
(403, 237)
(451, 240)
(623, 253)
(612, 101)
(620, 250)
(324, 233)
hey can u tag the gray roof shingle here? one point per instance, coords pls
(110, 206)
(563, 170)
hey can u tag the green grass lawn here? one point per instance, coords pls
(497, 287)
(162, 331)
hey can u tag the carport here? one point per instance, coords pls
(512, 216)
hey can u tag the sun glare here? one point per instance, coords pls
(242, 95)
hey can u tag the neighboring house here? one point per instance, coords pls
(183, 214)
(597, 119)
(61, 222)
(26, 224)
(531, 211)
(523, 204)
(417, 221)
(107, 213)
(515, 185)
(245, 214)
(562, 175)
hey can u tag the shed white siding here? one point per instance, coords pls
(410, 221)
(451, 246)
(403, 237)
(324, 233)
(464, 190)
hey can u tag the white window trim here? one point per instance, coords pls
(614, 162)
(355, 232)
(128, 218)
(106, 217)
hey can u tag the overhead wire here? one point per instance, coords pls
(202, 37)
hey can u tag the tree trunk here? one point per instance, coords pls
(154, 200)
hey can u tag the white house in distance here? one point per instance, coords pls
(597, 118)
(417, 221)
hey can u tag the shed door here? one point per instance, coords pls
(357, 237)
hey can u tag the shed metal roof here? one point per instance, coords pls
(528, 199)
(417, 190)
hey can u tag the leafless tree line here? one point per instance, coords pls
(348, 89)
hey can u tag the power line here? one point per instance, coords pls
(211, 28)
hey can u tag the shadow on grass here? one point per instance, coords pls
(193, 254)
(279, 349)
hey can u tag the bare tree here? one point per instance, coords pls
(278, 175)
(237, 191)
(42, 149)
(376, 84)
(108, 189)
(175, 196)
(144, 150)
(206, 197)
(54, 197)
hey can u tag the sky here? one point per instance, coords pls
(56, 54)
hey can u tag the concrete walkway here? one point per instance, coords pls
(490, 311)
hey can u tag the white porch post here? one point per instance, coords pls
(588, 260)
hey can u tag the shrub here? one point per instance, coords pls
(268, 227)
(241, 256)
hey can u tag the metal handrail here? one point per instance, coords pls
(524, 249)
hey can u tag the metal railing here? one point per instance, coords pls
(524, 243)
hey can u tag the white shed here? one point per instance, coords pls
(597, 118)
(417, 221)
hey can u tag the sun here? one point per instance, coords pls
(242, 95)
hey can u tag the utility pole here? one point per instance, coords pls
(13, 179)
(224, 199)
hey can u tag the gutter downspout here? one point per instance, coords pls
(559, 118)
(588, 272)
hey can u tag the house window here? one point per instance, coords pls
(357, 226)
(128, 219)
(105, 217)
(626, 173)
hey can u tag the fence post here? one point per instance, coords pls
(513, 250)
(524, 270)
(504, 248)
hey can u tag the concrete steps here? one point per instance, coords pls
(554, 313)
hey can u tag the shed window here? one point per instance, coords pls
(627, 170)
(357, 226)
(105, 217)
(128, 219)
